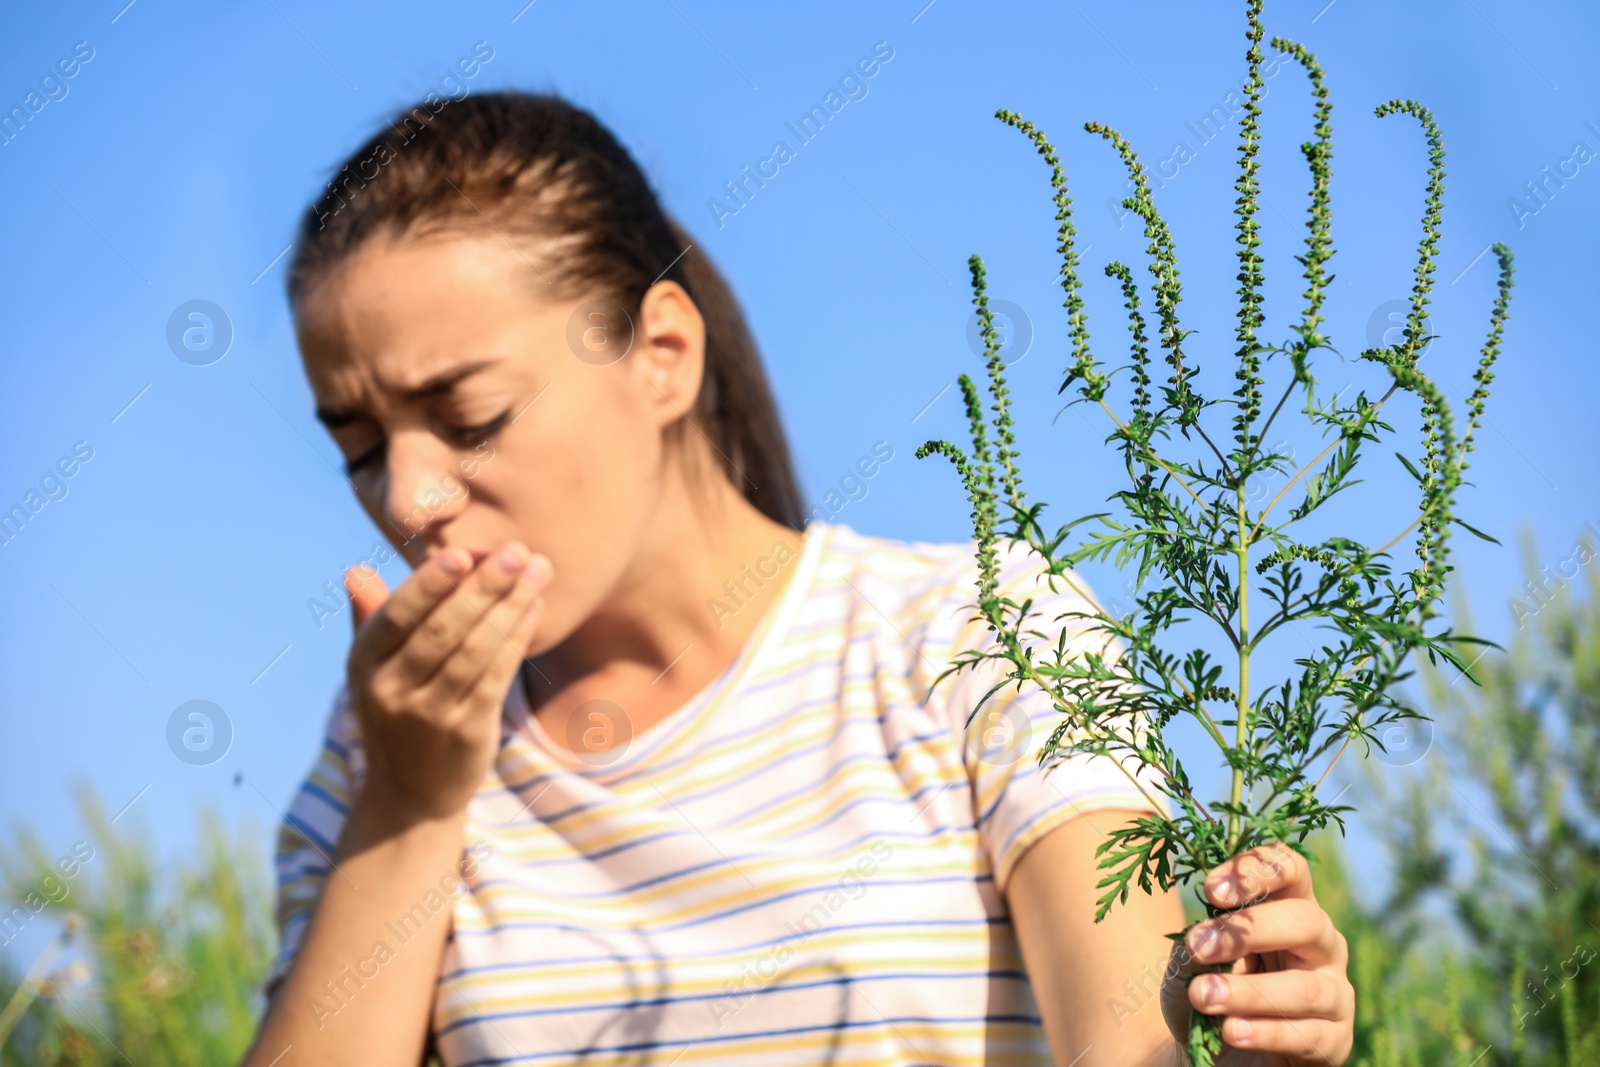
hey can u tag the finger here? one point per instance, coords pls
(367, 591)
(451, 687)
(437, 636)
(1297, 1040)
(493, 633)
(1273, 871)
(418, 595)
(1285, 994)
(1296, 926)
(496, 680)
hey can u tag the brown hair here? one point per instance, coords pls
(534, 166)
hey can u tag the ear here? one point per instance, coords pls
(669, 351)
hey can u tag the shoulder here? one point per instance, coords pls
(931, 588)
(873, 557)
(908, 582)
(317, 810)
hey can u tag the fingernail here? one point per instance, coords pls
(512, 557)
(452, 564)
(1242, 1029)
(1213, 990)
(1202, 940)
(537, 572)
(1224, 890)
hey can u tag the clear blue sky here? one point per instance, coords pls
(179, 564)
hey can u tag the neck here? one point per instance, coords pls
(702, 577)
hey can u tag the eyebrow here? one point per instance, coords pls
(333, 418)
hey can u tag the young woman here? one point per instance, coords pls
(637, 767)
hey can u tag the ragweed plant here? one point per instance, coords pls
(1186, 521)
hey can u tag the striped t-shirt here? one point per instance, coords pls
(805, 863)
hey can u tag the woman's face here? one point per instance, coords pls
(466, 418)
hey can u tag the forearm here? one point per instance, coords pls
(361, 986)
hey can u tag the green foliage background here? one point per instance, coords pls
(1483, 948)
(166, 966)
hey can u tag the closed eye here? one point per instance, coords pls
(472, 436)
(468, 436)
(351, 466)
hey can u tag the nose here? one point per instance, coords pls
(424, 488)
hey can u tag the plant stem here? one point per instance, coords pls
(1242, 726)
(1331, 446)
(1017, 657)
(1262, 437)
(1227, 472)
(1205, 717)
(1396, 539)
(1158, 460)
(1033, 675)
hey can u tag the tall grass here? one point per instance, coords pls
(161, 967)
